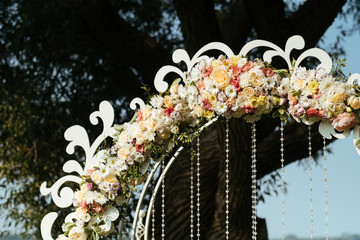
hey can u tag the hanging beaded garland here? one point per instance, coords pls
(253, 179)
(163, 203)
(311, 186)
(227, 180)
(192, 195)
(198, 186)
(282, 160)
(325, 190)
(153, 216)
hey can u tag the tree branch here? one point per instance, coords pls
(199, 24)
(314, 17)
(272, 25)
(236, 26)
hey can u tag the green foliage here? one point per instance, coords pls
(338, 65)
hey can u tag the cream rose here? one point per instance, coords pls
(221, 77)
(150, 125)
(248, 92)
(299, 84)
(168, 102)
(216, 63)
(79, 196)
(95, 177)
(82, 214)
(62, 237)
(122, 154)
(255, 79)
(77, 233)
(198, 110)
(338, 98)
(354, 102)
(146, 112)
(111, 180)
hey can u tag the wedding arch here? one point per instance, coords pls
(209, 90)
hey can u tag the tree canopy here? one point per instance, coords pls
(60, 59)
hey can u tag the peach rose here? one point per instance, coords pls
(299, 84)
(122, 154)
(230, 102)
(292, 100)
(354, 102)
(248, 92)
(344, 121)
(146, 112)
(77, 233)
(255, 80)
(221, 77)
(168, 102)
(96, 178)
(62, 237)
(111, 179)
(216, 63)
(338, 98)
(198, 110)
(201, 85)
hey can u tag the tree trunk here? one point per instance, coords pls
(212, 188)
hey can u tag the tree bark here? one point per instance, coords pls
(199, 24)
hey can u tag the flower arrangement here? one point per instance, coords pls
(228, 87)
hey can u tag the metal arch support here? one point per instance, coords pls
(157, 187)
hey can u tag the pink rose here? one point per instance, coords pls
(236, 83)
(206, 71)
(249, 65)
(344, 121)
(268, 72)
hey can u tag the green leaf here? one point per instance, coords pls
(118, 127)
(357, 143)
(175, 82)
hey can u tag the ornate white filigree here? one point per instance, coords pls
(294, 42)
(181, 55)
(77, 136)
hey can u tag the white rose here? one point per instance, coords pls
(157, 101)
(77, 233)
(62, 237)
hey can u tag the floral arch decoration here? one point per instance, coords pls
(227, 87)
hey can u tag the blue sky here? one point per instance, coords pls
(343, 180)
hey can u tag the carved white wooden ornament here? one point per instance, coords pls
(77, 135)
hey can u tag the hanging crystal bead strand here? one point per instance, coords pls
(325, 190)
(253, 179)
(153, 217)
(192, 195)
(227, 180)
(282, 160)
(163, 203)
(198, 186)
(311, 187)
